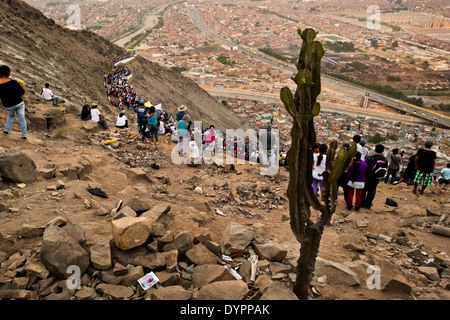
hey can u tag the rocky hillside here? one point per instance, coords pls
(163, 219)
(74, 63)
(76, 195)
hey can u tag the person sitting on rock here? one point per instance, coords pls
(86, 112)
(445, 175)
(97, 117)
(48, 95)
(122, 121)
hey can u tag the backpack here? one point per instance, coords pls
(378, 169)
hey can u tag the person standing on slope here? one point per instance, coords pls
(11, 93)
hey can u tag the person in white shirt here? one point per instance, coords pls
(48, 95)
(97, 117)
(364, 149)
(95, 113)
(357, 141)
(122, 121)
(320, 160)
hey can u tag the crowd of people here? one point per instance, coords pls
(360, 181)
(127, 55)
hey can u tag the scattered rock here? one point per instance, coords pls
(182, 243)
(159, 213)
(271, 251)
(278, 291)
(59, 251)
(136, 204)
(29, 231)
(101, 255)
(207, 273)
(199, 255)
(37, 270)
(17, 166)
(115, 291)
(171, 293)
(235, 238)
(129, 232)
(336, 273)
(224, 290)
(430, 272)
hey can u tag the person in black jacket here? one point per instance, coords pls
(375, 171)
(11, 93)
(86, 112)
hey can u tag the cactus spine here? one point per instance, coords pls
(303, 107)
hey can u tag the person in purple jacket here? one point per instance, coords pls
(356, 176)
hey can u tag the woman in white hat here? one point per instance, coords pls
(182, 110)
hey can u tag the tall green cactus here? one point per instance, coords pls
(303, 107)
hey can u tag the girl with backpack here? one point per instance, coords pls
(356, 176)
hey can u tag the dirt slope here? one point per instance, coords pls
(74, 63)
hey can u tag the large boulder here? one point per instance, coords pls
(16, 166)
(271, 251)
(136, 204)
(199, 255)
(207, 273)
(171, 293)
(158, 213)
(337, 273)
(278, 291)
(7, 245)
(139, 256)
(130, 232)
(182, 243)
(235, 238)
(59, 251)
(114, 291)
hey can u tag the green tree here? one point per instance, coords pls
(376, 138)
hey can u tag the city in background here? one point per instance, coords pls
(244, 52)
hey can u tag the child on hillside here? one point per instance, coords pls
(356, 176)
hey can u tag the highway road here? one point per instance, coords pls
(429, 115)
(248, 95)
(148, 23)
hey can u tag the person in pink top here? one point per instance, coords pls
(210, 141)
(356, 175)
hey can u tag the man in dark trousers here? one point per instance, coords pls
(375, 171)
(141, 119)
(425, 165)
